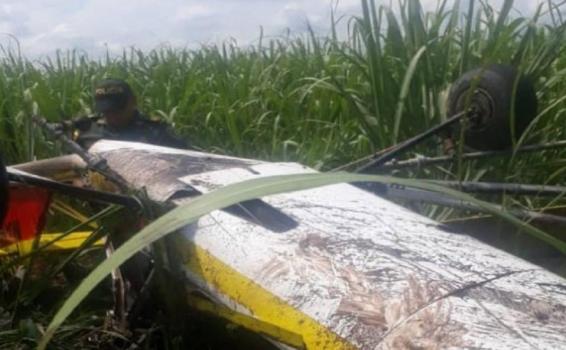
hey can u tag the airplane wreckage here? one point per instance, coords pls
(333, 267)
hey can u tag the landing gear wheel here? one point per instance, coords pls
(487, 93)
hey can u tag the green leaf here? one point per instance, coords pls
(405, 91)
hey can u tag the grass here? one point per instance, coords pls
(311, 99)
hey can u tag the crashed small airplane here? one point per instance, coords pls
(334, 267)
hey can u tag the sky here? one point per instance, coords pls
(93, 26)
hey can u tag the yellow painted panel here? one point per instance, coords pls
(71, 241)
(261, 303)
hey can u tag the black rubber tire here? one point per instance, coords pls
(490, 127)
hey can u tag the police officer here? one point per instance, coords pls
(118, 118)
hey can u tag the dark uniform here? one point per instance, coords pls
(88, 130)
(114, 99)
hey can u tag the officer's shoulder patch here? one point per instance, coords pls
(93, 118)
(84, 122)
(99, 121)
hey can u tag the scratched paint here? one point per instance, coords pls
(367, 269)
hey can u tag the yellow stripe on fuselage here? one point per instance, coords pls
(261, 303)
(71, 241)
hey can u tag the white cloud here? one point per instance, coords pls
(189, 12)
(93, 26)
(42, 26)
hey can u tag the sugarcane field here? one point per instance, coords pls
(294, 174)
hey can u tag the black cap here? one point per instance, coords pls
(111, 95)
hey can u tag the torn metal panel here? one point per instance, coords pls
(59, 168)
(158, 169)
